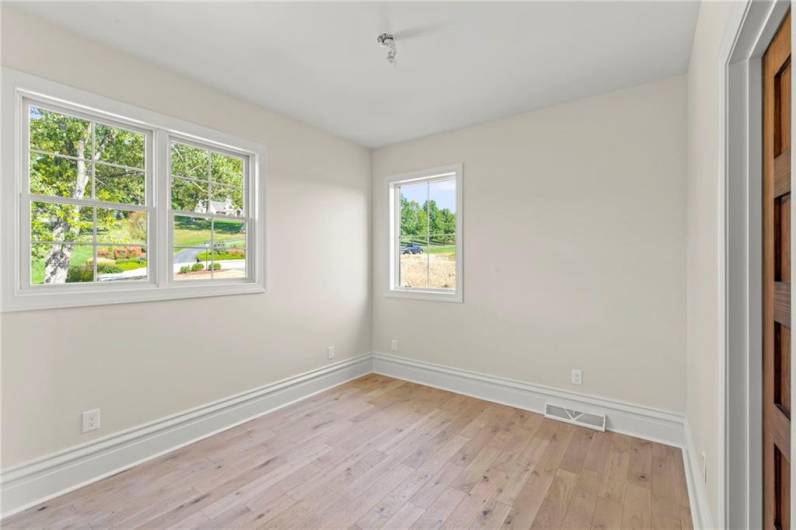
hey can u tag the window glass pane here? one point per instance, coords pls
(121, 226)
(189, 195)
(119, 146)
(188, 161)
(414, 219)
(61, 263)
(191, 232)
(58, 176)
(413, 270)
(53, 132)
(229, 249)
(188, 265)
(115, 184)
(121, 262)
(61, 222)
(442, 262)
(442, 207)
(227, 170)
(225, 200)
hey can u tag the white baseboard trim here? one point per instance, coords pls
(34, 482)
(697, 490)
(28, 484)
(635, 420)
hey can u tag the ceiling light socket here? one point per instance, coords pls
(387, 40)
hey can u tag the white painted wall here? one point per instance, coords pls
(703, 265)
(574, 247)
(575, 256)
(139, 362)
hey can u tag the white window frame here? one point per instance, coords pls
(16, 293)
(394, 288)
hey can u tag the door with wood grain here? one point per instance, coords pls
(776, 280)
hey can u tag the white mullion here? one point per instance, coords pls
(250, 190)
(210, 198)
(161, 202)
(54, 199)
(249, 213)
(396, 236)
(25, 247)
(428, 233)
(92, 167)
(151, 214)
(220, 217)
(93, 240)
(83, 243)
(92, 171)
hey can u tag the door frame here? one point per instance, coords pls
(751, 26)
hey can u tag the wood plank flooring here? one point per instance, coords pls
(382, 453)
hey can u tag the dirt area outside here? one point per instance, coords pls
(436, 271)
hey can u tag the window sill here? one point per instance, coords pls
(35, 299)
(428, 296)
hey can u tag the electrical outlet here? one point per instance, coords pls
(330, 352)
(91, 420)
(394, 345)
(576, 376)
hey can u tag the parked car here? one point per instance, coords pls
(412, 248)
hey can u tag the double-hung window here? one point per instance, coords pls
(110, 203)
(208, 213)
(425, 234)
(86, 209)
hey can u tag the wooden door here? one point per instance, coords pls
(776, 280)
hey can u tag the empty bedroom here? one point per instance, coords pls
(358, 265)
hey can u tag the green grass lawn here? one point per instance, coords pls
(131, 264)
(190, 238)
(439, 249)
(196, 233)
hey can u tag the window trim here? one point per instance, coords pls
(393, 238)
(14, 296)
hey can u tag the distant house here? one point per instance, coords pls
(225, 207)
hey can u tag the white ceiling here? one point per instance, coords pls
(458, 63)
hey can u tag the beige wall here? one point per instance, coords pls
(574, 247)
(139, 362)
(703, 266)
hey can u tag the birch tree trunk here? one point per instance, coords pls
(56, 263)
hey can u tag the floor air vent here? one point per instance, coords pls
(577, 417)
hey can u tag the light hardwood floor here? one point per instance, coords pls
(382, 453)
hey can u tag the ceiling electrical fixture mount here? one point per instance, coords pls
(387, 40)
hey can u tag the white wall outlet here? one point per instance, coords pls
(394, 345)
(91, 420)
(576, 376)
(330, 352)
